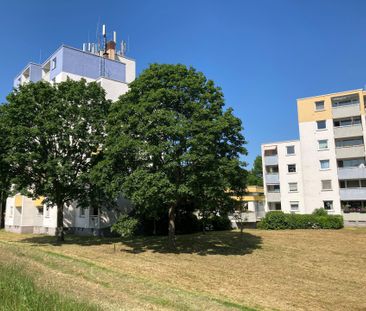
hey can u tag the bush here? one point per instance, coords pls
(219, 223)
(320, 212)
(125, 226)
(278, 220)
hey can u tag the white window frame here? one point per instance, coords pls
(319, 102)
(324, 161)
(322, 140)
(294, 203)
(287, 148)
(291, 184)
(317, 125)
(288, 168)
(330, 183)
(324, 205)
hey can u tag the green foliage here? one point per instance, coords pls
(56, 133)
(171, 144)
(255, 176)
(277, 220)
(125, 226)
(18, 292)
(320, 212)
(219, 223)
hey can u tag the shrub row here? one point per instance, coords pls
(277, 220)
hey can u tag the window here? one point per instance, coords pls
(321, 125)
(272, 169)
(294, 206)
(290, 149)
(323, 144)
(347, 121)
(291, 168)
(292, 186)
(353, 184)
(11, 211)
(81, 212)
(274, 206)
(324, 164)
(47, 212)
(271, 152)
(357, 162)
(95, 211)
(54, 63)
(273, 188)
(40, 210)
(326, 184)
(349, 142)
(328, 205)
(345, 101)
(319, 105)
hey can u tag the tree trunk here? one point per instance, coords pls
(2, 209)
(172, 226)
(154, 228)
(60, 223)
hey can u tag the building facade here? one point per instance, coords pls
(325, 168)
(113, 71)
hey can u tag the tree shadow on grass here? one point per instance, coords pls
(210, 243)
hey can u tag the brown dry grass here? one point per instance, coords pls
(284, 270)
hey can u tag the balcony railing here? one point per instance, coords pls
(272, 178)
(348, 131)
(273, 196)
(349, 194)
(350, 152)
(346, 111)
(271, 160)
(352, 173)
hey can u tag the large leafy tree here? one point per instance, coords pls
(56, 133)
(171, 145)
(255, 176)
(5, 172)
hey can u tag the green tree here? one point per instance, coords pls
(171, 145)
(56, 134)
(255, 176)
(5, 172)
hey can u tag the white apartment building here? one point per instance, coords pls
(326, 166)
(113, 71)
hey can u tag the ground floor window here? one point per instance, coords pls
(328, 205)
(353, 206)
(274, 206)
(294, 206)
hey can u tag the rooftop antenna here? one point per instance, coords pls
(115, 36)
(104, 39)
(40, 56)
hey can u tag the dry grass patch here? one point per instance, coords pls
(285, 270)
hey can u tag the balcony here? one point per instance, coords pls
(350, 152)
(273, 196)
(349, 194)
(348, 131)
(352, 173)
(346, 111)
(272, 179)
(271, 160)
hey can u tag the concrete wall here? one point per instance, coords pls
(312, 173)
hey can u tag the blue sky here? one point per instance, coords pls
(264, 54)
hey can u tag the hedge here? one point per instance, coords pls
(277, 220)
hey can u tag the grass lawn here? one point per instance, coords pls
(260, 270)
